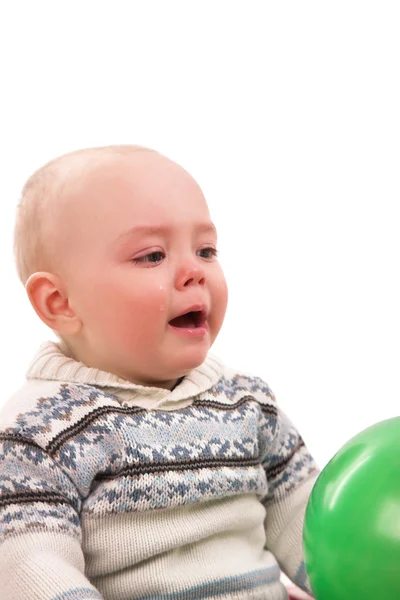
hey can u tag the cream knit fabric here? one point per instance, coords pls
(117, 491)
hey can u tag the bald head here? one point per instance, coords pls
(100, 220)
(40, 226)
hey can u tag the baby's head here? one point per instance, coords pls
(116, 249)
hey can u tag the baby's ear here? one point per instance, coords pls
(48, 296)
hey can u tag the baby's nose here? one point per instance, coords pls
(190, 275)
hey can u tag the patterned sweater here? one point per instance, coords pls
(111, 490)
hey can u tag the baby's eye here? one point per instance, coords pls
(152, 257)
(208, 252)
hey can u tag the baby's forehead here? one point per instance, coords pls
(77, 171)
(66, 184)
(145, 173)
(109, 183)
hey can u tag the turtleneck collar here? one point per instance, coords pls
(53, 362)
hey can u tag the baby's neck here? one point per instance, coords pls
(68, 350)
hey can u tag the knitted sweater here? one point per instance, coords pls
(118, 491)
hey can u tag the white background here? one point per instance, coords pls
(287, 113)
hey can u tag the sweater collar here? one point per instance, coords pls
(53, 362)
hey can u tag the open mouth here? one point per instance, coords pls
(190, 320)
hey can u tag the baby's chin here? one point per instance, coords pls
(189, 363)
(171, 377)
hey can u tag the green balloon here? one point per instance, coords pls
(352, 521)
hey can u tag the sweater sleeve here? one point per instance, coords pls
(40, 535)
(291, 474)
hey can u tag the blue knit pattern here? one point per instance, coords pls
(80, 593)
(130, 459)
(82, 452)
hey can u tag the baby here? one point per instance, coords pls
(134, 464)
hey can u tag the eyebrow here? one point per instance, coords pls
(157, 229)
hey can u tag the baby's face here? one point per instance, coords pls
(141, 271)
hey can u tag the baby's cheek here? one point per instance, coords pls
(144, 311)
(220, 300)
(152, 301)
